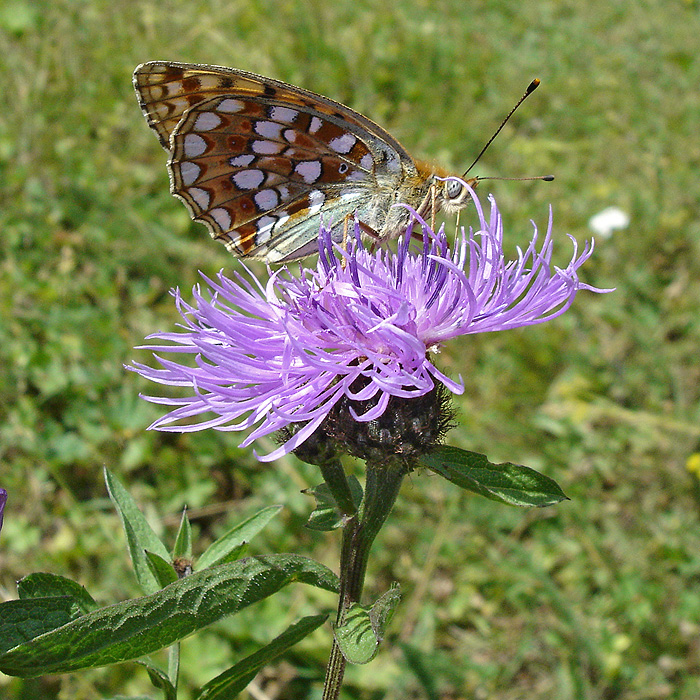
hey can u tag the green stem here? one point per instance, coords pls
(381, 489)
(174, 664)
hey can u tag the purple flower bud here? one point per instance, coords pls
(364, 325)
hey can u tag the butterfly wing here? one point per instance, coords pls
(259, 161)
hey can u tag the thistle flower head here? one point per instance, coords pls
(360, 329)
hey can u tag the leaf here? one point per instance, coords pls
(420, 665)
(327, 515)
(508, 483)
(23, 620)
(139, 534)
(234, 540)
(163, 570)
(236, 678)
(43, 585)
(183, 541)
(141, 626)
(382, 611)
(362, 630)
(160, 680)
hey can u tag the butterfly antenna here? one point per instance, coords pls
(546, 178)
(530, 89)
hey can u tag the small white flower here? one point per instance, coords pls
(610, 219)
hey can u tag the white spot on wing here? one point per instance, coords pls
(315, 125)
(248, 179)
(221, 217)
(194, 145)
(343, 144)
(266, 199)
(265, 226)
(367, 161)
(308, 170)
(283, 114)
(200, 196)
(231, 105)
(316, 200)
(393, 163)
(189, 172)
(270, 130)
(242, 160)
(266, 147)
(206, 121)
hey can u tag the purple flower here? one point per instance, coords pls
(364, 324)
(3, 500)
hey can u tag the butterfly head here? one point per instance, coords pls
(452, 193)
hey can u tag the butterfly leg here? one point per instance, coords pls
(368, 231)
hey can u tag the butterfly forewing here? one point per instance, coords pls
(259, 161)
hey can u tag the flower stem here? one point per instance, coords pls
(381, 489)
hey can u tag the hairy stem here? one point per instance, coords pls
(381, 489)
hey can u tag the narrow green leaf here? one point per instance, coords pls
(141, 626)
(416, 660)
(183, 541)
(43, 585)
(363, 629)
(139, 534)
(508, 483)
(236, 678)
(163, 570)
(235, 538)
(327, 515)
(160, 680)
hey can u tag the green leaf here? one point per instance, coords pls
(327, 515)
(160, 680)
(139, 534)
(23, 620)
(141, 626)
(508, 483)
(233, 542)
(382, 611)
(363, 629)
(421, 666)
(163, 570)
(43, 585)
(183, 541)
(236, 678)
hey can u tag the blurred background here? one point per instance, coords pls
(595, 599)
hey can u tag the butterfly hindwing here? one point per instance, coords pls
(258, 160)
(242, 161)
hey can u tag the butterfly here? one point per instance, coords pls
(263, 163)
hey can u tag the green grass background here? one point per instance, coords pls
(595, 599)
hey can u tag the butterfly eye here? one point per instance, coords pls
(453, 189)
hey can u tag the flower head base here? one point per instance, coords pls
(361, 328)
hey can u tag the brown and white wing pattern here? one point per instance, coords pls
(261, 162)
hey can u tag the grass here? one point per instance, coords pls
(596, 599)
